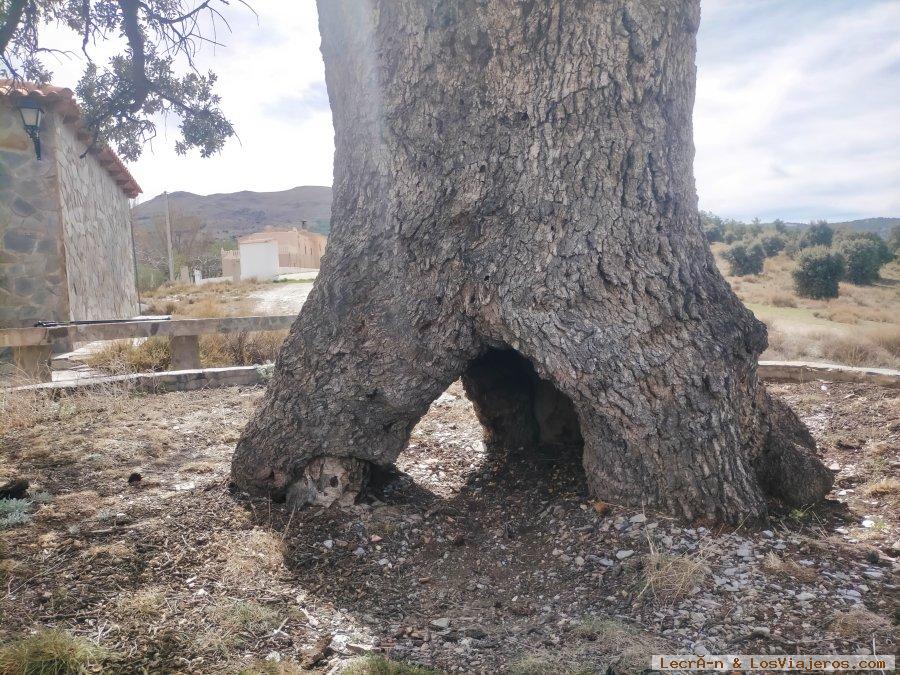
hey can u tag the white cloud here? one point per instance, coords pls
(797, 109)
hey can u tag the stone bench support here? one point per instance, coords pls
(31, 346)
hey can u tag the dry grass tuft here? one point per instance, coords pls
(857, 623)
(670, 578)
(245, 616)
(49, 652)
(152, 355)
(263, 667)
(379, 665)
(781, 567)
(142, 606)
(240, 349)
(629, 647)
(121, 357)
(21, 409)
(883, 487)
(782, 300)
(253, 552)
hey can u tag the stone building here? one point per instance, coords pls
(297, 249)
(66, 248)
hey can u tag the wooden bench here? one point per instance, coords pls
(31, 346)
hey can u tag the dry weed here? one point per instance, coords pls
(122, 357)
(883, 487)
(379, 665)
(669, 578)
(251, 553)
(777, 566)
(782, 300)
(142, 606)
(630, 647)
(49, 652)
(857, 623)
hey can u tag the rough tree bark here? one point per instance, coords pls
(514, 203)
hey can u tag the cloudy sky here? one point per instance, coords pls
(797, 114)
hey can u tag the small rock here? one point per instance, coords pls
(359, 552)
(639, 518)
(760, 632)
(579, 561)
(328, 543)
(441, 624)
(621, 555)
(804, 596)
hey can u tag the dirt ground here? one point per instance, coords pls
(464, 562)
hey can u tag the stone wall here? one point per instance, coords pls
(96, 220)
(32, 256)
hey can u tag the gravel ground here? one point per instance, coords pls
(281, 298)
(463, 561)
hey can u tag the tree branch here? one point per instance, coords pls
(11, 22)
(132, 28)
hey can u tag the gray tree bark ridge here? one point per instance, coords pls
(514, 204)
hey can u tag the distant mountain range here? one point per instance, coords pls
(880, 226)
(235, 214)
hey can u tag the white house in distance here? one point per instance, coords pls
(264, 255)
(259, 259)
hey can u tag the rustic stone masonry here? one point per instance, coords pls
(32, 254)
(65, 224)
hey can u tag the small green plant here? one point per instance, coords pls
(49, 652)
(14, 512)
(744, 259)
(800, 514)
(10, 506)
(818, 273)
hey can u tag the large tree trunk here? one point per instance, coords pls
(514, 203)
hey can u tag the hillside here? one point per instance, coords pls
(239, 213)
(880, 226)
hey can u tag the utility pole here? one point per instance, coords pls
(169, 238)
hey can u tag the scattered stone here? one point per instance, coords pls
(639, 518)
(621, 555)
(760, 632)
(441, 624)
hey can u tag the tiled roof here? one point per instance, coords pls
(62, 101)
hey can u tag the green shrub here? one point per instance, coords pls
(817, 234)
(893, 241)
(713, 232)
(818, 273)
(772, 244)
(862, 260)
(779, 226)
(885, 255)
(744, 258)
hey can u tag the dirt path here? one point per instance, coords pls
(465, 562)
(281, 298)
